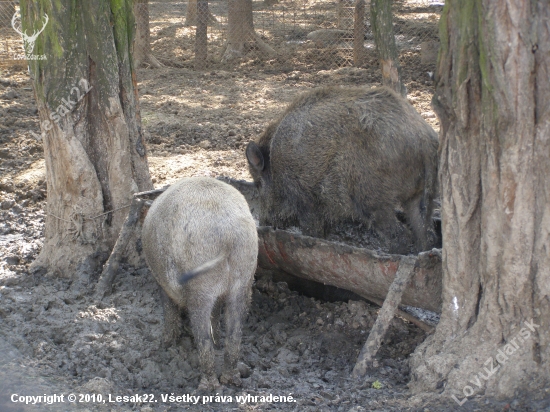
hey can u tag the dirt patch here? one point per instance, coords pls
(292, 344)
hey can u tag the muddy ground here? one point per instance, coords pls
(54, 338)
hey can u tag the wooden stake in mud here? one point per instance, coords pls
(105, 282)
(385, 315)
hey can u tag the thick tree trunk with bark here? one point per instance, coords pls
(93, 144)
(241, 31)
(493, 100)
(142, 45)
(382, 28)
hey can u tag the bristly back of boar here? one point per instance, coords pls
(340, 154)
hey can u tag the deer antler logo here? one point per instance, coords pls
(28, 41)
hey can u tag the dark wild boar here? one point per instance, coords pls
(340, 154)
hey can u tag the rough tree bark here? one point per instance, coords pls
(142, 45)
(93, 144)
(241, 30)
(382, 28)
(493, 100)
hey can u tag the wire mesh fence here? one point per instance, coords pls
(321, 34)
(11, 42)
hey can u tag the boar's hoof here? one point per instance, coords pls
(231, 378)
(208, 384)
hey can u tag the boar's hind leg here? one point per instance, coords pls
(200, 308)
(172, 320)
(215, 322)
(418, 214)
(235, 310)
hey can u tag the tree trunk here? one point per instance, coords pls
(241, 30)
(142, 45)
(191, 14)
(493, 100)
(201, 36)
(382, 28)
(93, 144)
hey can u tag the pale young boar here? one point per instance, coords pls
(201, 243)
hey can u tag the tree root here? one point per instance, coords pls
(231, 52)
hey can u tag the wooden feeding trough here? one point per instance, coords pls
(362, 271)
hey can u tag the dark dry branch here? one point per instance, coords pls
(105, 282)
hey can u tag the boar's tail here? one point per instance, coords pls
(199, 270)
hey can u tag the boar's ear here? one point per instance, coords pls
(255, 156)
